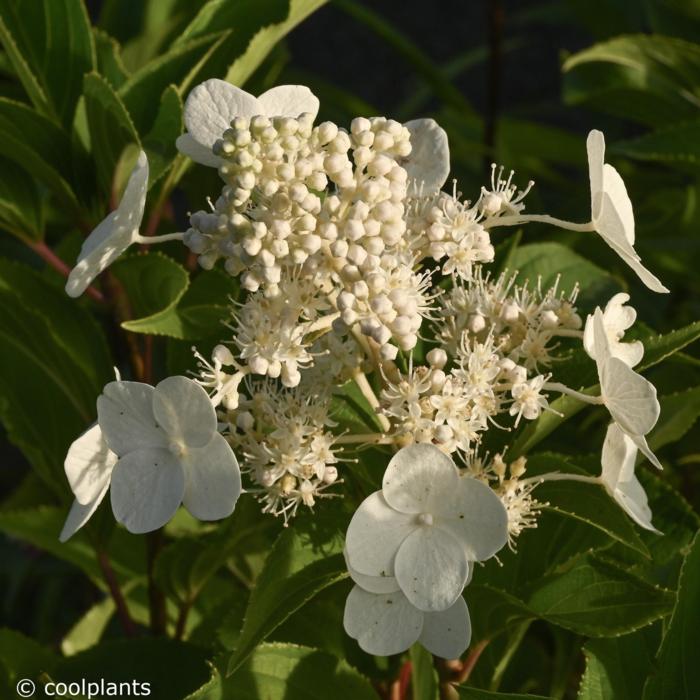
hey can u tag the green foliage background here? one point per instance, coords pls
(590, 607)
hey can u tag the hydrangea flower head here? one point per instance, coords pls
(425, 527)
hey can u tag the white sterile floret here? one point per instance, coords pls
(114, 234)
(169, 453)
(611, 210)
(214, 104)
(428, 163)
(617, 318)
(426, 527)
(88, 466)
(618, 458)
(630, 399)
(384, 622)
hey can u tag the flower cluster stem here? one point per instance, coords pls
(368, 393)
(156, 599)
(110, 577)
(518, 219)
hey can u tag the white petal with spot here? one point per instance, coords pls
(382, 624)
(419, 479)
(125, 415)
(80, 513)
(147, 488)
(372, 584)
(431, 568)
(184, 411)
(374, 535)
(212, 480)
(447, 633)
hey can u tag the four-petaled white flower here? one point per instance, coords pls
(428, 164)
(618, 458)
(384, 622)
(611, 209)
(617, 318)
(154, 448)
(88, 466)
(114, 234)
(630, 399)
(426, 527)
(214, 104)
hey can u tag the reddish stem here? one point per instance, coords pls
(50, 258)
(405, 679)
(116, 593)
(470, 661)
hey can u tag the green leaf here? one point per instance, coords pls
(22, 657)
(551, 261)
(658, 347)
(259, 26)
(37, 145)
(160, 141)
(109, 59)
(424, 678)
(154, 284)
(299, 566)
(676, 673)
(465, 693)
(72, 326)
(617, 667)
(21, 207)
(677, 143)
(351, 410)
(199, 313)
(172, 669)
(648, 78)
(589, 503)
(290, 672)
(172, 68)
(88, 630)
(679, 412)
(599, 599)
(111, 128)
(50, 45)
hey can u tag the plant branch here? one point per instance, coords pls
(51, 259)
(110, 577)
(156, 599)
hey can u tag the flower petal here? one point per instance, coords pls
(212, 480)
(125, 415)
(617, 458)
(88, 465)
(212, 105)
(114, 234)
(419, 478)
(431, 568)
(629, 397)
(595, 147)
(147, 488)
(372, 584)
(184, 411)
(374, 535)
(614, 185)
(289, 101)
(196, 151)
(477, 518)
(382, 624)
(79, 514)
(428, 164)
(643, 447)
(632, 498)
(447, 633)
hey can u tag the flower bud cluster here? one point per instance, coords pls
(524, 323)
(287, 448)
